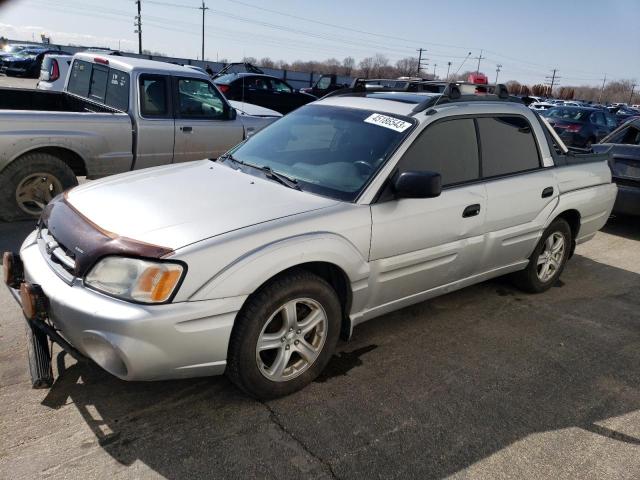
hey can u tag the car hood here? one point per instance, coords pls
(253, 110)
(177, 205)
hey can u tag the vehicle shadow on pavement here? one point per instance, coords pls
(435, 388)
(627, 227)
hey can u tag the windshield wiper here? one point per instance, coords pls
(269, 173)
(283, 179)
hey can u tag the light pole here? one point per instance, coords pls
(498, 67)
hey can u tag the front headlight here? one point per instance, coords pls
(135, 279)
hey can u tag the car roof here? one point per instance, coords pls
(129, 64)
(404, 103)
(246, 74)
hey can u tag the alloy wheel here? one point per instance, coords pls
(291, 339)
(550, 259)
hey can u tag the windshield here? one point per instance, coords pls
(567, 113)
(332, 151)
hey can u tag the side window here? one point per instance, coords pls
(199, 99)
(598, 119)
(323, 83)
(98, 86)
(153, 96)
(80, 78)
(279, 86)
(449, 148)
(611, 121)
(257, 83)
(508, 146)
(627, 136)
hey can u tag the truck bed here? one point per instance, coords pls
(39, 100)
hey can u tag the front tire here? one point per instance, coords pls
(284, 335)
(548, 260)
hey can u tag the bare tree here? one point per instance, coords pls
(366, 66)
(249, 60)
(266, 62)
(407, 67)
(348, 65)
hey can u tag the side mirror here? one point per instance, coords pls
(231, 113)
(417, 184)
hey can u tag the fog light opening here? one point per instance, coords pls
(105, 355)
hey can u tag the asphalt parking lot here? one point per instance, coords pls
(486, 382)
(18, 82)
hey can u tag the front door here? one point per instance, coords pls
(154, 134)
(421, 244)
(203, 127)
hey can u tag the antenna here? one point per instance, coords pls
(455, 75)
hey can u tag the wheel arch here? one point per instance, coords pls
(572, 217)
(330, 256)
(335, 276)
(73, 160)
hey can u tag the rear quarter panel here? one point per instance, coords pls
(586, 188)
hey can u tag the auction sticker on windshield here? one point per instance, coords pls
(387, 122)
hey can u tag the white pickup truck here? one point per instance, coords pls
(115, 114)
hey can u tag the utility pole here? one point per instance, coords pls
(203, 8)
(420, 50)
(434, 70)
(498, 67)
(138, 25)
(479, 59)
(633, 86)
(551, 80)
(448, 68)
(604, 80)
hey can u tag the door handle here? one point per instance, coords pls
(547, 192)
(471, 210)
(186, 129)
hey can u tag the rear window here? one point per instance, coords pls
(507, 145)
(100, 83)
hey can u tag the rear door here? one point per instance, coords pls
(521, 193)
(203, 126)
(418, 244)
(154, 136)
(599, 122)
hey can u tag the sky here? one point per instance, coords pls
(583, 39)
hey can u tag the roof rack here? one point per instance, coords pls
(449, 91)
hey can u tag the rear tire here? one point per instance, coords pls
(30, 182)
(548, 259)
(39, 356)
(284, 335)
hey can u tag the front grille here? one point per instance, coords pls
(56, 254)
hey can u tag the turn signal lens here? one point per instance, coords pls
(135, 279)
(29, 300)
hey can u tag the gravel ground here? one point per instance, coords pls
(486, 382)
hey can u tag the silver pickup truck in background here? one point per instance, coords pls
(115, 114)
